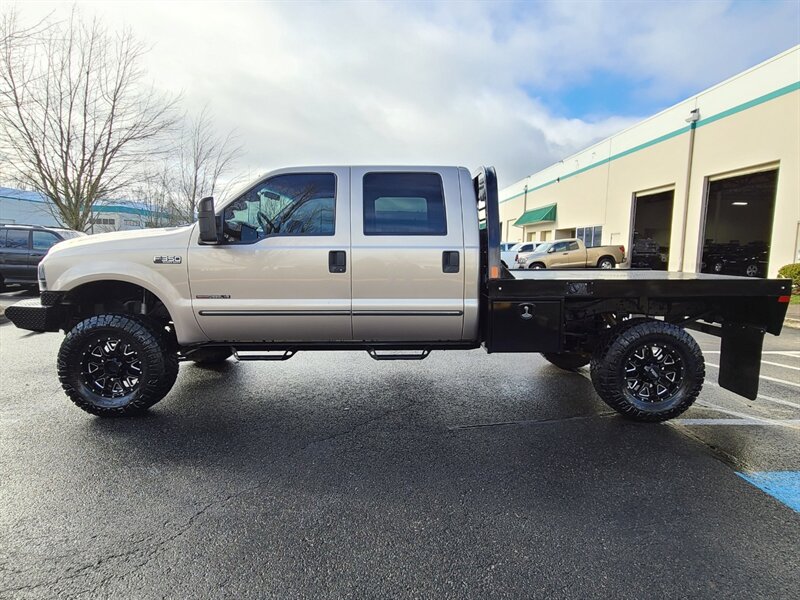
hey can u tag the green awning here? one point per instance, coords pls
(537, 215)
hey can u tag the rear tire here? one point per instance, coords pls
(648, 371)
(606, 262)
(569, 361)
(116, 365)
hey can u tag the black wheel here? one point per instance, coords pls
(537, 265)
(649, 370)
(569, 361)
(116, 365)
(606, 262)
(209, 356)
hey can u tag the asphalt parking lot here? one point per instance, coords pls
(331, 475)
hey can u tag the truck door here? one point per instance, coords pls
(407, 254)
(283, 271)
(565, 254)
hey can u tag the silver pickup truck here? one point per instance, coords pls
(397, 261)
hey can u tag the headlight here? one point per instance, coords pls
(41, 277)
(522, 261)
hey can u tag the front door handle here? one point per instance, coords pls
(450, 261)
(337, 261)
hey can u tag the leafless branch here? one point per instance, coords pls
(76, 120)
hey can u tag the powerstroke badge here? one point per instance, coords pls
(167, 260)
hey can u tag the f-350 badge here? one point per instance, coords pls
(167, 260)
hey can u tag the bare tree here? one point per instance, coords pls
(155, 192)
(75, 117)
(203, 159)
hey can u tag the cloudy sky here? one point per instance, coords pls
(518, 85)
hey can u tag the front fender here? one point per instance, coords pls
(168, 282)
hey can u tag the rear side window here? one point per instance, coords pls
(17, 238)
(42, 240)
(404, 204)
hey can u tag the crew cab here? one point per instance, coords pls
(397, 261)
(571, 253)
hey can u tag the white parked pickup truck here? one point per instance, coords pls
(397, 261)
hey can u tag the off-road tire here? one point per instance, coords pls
(209, 356)
(569, 361)
(610, 360)
(159, 363)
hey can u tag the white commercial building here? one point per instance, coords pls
(712, 183)
(24, 207)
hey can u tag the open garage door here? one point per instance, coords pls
(652, 228)
(738, 229)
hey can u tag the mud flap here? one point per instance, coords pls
(740, 359)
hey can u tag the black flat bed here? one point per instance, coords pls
(630, 283)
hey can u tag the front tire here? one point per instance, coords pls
(116, 365)
(569, 361)
(649, 371)
(537, 266)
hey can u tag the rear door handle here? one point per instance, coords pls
(450, 261)
(337, 261)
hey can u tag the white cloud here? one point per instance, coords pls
(380, 82)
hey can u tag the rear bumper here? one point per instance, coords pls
(31, 315)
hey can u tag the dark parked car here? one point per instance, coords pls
(23, 246)
(748, 260)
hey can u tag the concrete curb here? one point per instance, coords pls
(793, 323)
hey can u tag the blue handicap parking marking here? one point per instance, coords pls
(782, 485)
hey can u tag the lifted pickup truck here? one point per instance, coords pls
(572, 253)
(397, 261)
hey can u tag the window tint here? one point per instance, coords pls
(17, 238)
(292, 204)
(560, 247)
(573, 246)
(42, 240)
(404, 204)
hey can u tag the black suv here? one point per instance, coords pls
(23, 246)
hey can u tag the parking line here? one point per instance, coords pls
(764, 377)
(762, 397)
(784, 486)
(731, 422)
(774, 364)
(777, 422)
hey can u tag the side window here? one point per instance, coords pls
(404, 204)
(43, 240)
(294, 204)
(573, 246)
(17, 238)
(560, 247)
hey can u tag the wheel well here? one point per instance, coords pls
(99, 297)
(605, 256)
(533, 264)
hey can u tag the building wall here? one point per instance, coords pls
(28, 208)
(747, 123)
